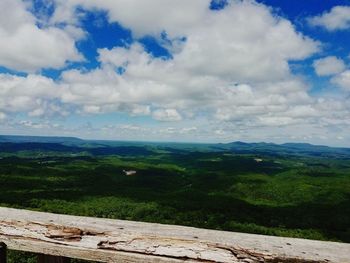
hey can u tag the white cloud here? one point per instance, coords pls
(26, 47)
(328, 66)
(2, 116)
(220, 49)
(92, 109)
(33, 125)
(33, 94)
(219, 52)
(140, 110)
(143, 17)
(343, 80)
(130, 127)
(166, 115)
(220, 43)
(229, 77)
(224, 45)
(338, 18)
(188, 130)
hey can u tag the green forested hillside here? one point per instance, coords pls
(273, 193)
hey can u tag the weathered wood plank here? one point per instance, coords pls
(108, 240)
(3, 252)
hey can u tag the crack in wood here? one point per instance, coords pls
(69, 233)
(197, 248)
(73, 234)
(242, 253)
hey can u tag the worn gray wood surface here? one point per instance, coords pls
(107, 240)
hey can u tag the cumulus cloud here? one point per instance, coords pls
(343, 80)
(328, 66)
(166, 115)
(338, 18)
(33, 125)
(24, 46)
(219, 50)
(33, 94)
(221, 43)
(229, 68)
(2, 116)
(143, 17)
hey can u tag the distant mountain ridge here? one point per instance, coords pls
(285, 148)
(39, 139)
(239, 147)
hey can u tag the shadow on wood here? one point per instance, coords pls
(3, 252)
(51, 259)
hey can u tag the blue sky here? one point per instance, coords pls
(163, 70)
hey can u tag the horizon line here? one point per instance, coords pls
(174, 142)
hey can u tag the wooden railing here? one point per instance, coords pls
(59, 237)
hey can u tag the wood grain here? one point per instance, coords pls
(107, 240)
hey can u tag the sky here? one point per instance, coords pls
(190, 71)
